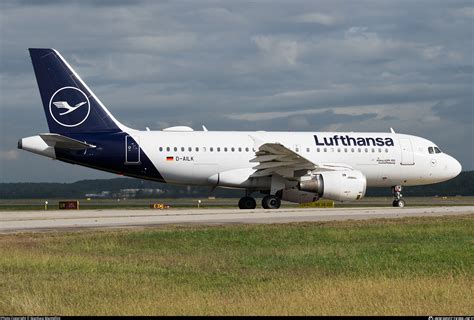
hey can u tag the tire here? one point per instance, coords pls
(271, 202)
(247, 203)
(400, 203)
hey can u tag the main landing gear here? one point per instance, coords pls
(247, 203)
(271, 202)
(397, 194)
(268, 202)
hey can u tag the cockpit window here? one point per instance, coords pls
(430, 150)
(437, 150)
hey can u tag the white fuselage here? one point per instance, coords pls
(194, 157)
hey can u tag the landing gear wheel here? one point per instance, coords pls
(397, 194)
(271, 202)
(398, 203)
(247, 203)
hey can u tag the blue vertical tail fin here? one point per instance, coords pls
(69, 104)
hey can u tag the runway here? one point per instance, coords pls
(32, 221)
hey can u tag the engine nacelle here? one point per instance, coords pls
(335, 185)
(297, 196)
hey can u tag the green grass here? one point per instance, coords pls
(403, 266)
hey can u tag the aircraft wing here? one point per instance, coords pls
(275, 158)
(59, 141)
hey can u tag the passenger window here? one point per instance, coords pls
(182, 148)
(373, 150)
(204, 149)
(167, 148)
(352, 150)
(197, 149)
(366, 150)
(430, 150)
(386, 150)
(345, 149)
(360, 150)
(338, 149)
(161, 148)
(247, 149)
(175, 148)
(307, 149)
(190, 149)
(218, 149)
(211, 149)
(232, 149)
(437, 150)
(318, 150)
(380, 150)
(225, 149)
(240, 149)
(325, 150)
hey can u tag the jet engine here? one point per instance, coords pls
(336, 185)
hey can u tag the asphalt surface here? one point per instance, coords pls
(32, 221)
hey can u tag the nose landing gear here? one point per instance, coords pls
(397, 193)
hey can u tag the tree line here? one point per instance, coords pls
(461, 185)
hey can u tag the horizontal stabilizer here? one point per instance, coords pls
(62, 142)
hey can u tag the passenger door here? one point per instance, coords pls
(407, 157)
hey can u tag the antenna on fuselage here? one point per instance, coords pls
(204, 128)
(392, 131)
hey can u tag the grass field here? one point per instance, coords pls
(421, 266)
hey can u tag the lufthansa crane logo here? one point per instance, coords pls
(69, 106)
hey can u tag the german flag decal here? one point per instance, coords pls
(169, 158)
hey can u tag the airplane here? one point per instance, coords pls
(298, 167)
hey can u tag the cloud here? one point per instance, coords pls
(223, 15)
(277, 65)
(9, 155)
(384, 112)
(157, 44)
(318, 18)
(465, 12)
(278, 52)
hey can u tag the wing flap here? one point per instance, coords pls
(275, 158)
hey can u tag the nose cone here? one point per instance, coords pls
(455, 167)
(452, 168)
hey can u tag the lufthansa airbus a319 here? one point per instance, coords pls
(292, 166)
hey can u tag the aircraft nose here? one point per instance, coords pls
(452, 168)
(455, 167)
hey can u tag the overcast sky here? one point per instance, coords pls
(238, 65)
